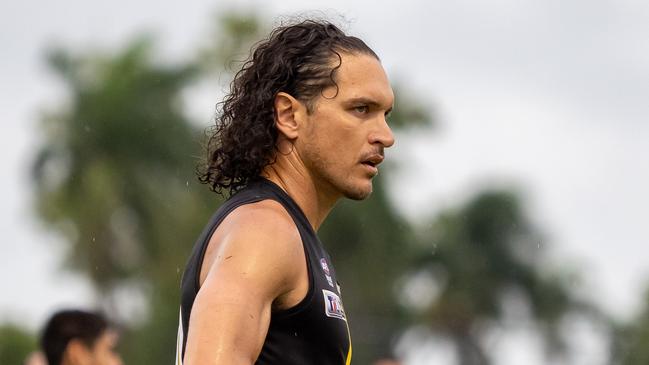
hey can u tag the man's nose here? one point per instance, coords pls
(382, 134)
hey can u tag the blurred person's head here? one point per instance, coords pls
(301, 64)
(76, 337)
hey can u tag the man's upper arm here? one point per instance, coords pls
(254, 264)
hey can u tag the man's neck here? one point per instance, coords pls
(315, 200)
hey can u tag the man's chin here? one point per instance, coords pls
(359, 193)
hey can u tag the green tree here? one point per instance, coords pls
(478, 255)
(630, 342)
(115, 176)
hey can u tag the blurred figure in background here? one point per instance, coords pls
(76, 337)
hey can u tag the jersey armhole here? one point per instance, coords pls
(304, 303)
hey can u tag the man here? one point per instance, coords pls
(75, 337)
(303, 126)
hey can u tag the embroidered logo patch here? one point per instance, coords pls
(333, 305)
(325, 268)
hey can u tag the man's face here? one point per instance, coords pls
(104, 351)
(346, 133)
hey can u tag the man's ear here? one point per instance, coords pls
(289, 114)
(76, 353)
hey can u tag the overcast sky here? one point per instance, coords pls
(549, 97)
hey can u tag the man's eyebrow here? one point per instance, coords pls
(368, 101)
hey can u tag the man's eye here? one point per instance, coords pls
(362, 109)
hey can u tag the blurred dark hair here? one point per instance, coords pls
(300, 59)
(67, 325)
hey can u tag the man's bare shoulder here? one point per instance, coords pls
(259, 237)
(267, 220)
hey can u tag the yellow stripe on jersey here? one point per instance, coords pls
(349, 353)
(179, 340)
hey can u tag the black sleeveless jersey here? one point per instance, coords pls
(315, 331)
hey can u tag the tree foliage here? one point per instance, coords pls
(115, 175)
(480, 256)
(630, 343)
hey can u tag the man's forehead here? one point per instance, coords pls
(363, 77)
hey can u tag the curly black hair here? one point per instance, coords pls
(299, 59)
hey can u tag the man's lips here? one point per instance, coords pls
(373, 160)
